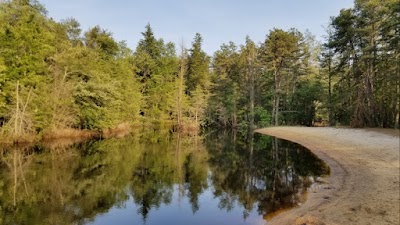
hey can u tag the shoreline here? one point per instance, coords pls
(120, 130)
(363, 187)
(73, 134)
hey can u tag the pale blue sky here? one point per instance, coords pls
(218, 21)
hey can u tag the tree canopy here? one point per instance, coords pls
(53, 75)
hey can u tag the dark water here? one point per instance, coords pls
(155, 178)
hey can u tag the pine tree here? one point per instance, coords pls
(156, 67)
(280, 49)
(198, 67)
(198, 79)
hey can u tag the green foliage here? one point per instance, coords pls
(303, 107)
(26, 41)
(256, 84)
(72, 27)
(2, 94)
(72, 79)
(105, 93)
(149, 44)
(99, 39)
(223, 104)
(280, 47)
(262, 116)
(156, 68)
(197, 81)
(77, 84)
(198, 64)
(366, 52)
(286, 58)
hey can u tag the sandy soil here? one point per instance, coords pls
(363, 187)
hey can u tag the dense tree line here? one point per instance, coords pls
(54, 76)
(361, 61)
(275, 82)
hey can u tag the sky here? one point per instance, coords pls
(218, 21)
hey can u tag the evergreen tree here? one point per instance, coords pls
(198, 79)
(198, 67)
(73, 30)
(27, 42)
(156, 67)
(224, 101)
(365, 94)
(250, 70)
(149, 44)
(101, 40)
(280, 49)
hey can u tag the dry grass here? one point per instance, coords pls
(17, 139)
(119, 131)
(69, 133)
(187, 129)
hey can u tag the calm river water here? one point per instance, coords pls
(222, 178)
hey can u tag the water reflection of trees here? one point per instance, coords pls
(260, 171)
(72, 184)
(180, 161)
(63, 185)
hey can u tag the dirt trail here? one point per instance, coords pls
(364, 186)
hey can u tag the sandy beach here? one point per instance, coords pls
(363, 187)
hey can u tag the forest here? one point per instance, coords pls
(55, 78)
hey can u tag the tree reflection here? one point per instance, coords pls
(178, 160)
(61, 183)
(263, 171)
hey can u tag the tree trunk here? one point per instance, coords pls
(275, 109)
(278, 97)
(16, 126)
(180, 89)
(397, 109)
(330, 107)
(196, 118)
(251, 98)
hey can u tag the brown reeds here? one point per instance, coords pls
(119, 131)
(69, 133)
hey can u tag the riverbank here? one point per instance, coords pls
(364, 184)
(68, 133)
(77, 135)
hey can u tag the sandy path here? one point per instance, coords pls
(364, 186)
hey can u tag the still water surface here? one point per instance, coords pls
(155, 178)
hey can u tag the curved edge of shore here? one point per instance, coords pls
(341, 197)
